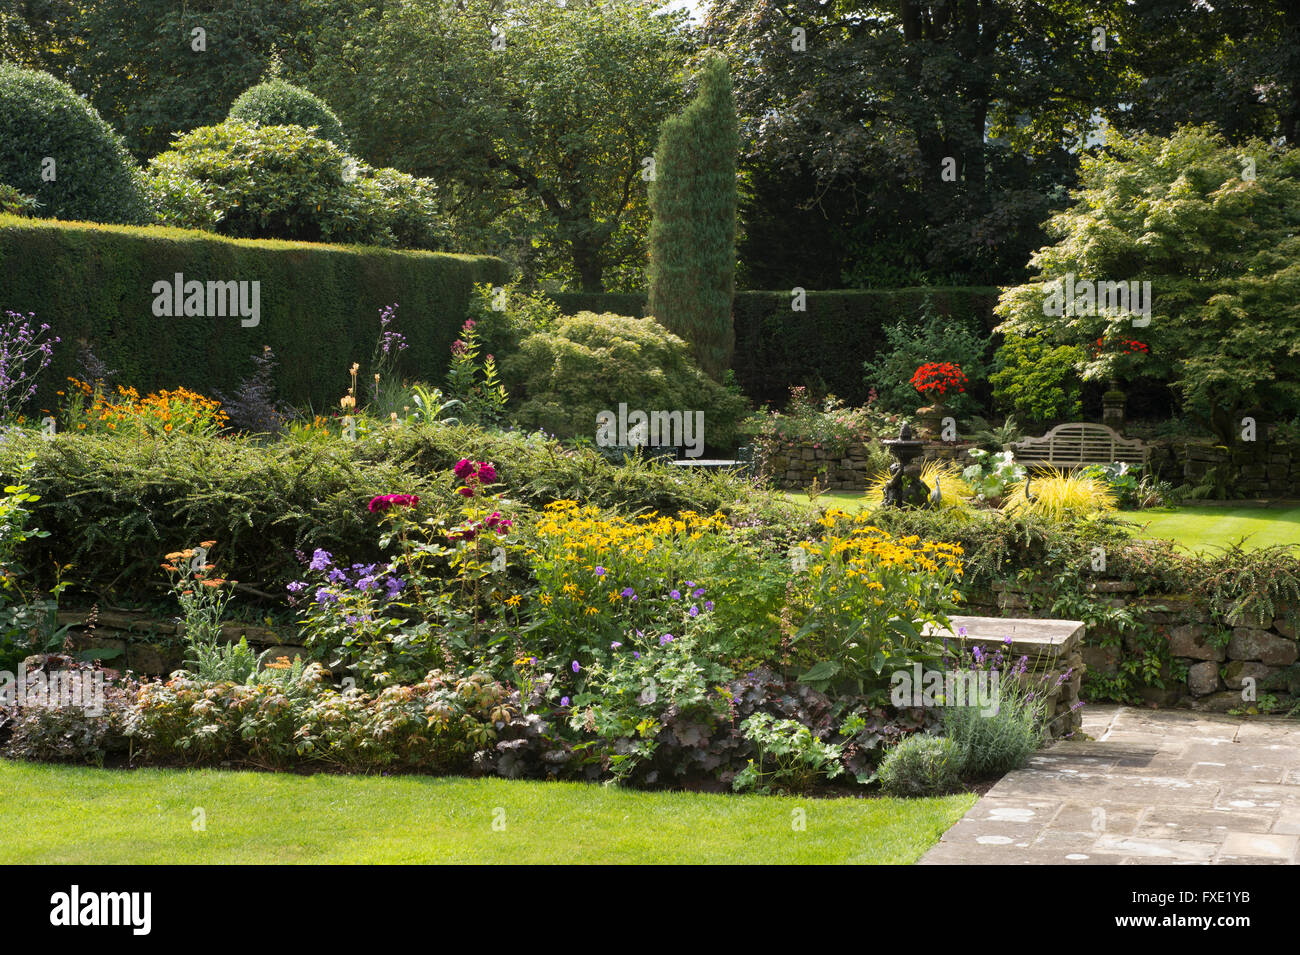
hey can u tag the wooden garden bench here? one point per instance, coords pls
(1079, 444)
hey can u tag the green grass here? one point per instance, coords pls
(1200, 528)
(62, 814)
(850, 501)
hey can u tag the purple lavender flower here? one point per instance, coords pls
(391, 341)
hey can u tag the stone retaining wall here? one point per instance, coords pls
(157, 647)
(792, 465)
(1212, 662)
(1253, 468)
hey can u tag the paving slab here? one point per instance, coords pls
(1143, 787)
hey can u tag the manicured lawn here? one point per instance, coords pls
(1205, 528)
(61, 814)
(850, 501)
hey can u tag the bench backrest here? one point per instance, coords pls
(1080, 443)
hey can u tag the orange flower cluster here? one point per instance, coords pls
(161, 411)
(177, 563)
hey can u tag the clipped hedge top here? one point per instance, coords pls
(14, 222)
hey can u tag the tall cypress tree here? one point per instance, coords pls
(693, 229)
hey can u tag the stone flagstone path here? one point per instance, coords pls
(1152, 787)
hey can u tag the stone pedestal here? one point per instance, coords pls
(1112, 409)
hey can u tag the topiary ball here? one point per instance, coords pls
(278, 103)
(55, 148)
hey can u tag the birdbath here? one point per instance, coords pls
(905, 487)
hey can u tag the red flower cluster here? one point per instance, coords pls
(384, 501)
(1130, 347)
(475, 474)
(939, 377)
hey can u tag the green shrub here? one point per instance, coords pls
(15, 203)
(538, 471)
(94, 178)
(593, 363)
(270, 182)
(94, 284)
(922, 765)
(114, 506)
(406, 207)
(1038, 380)
(910, 344)
(822, 347)
(182, 201)
(276, 102)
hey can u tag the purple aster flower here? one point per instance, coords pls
(666, 639)
(698, 592)
(694, 611)
(564, 701)
(337, 576)
(629, 592)
(576, 667)
(394, 585)
(615, 645)
(320, 560)
(600, 571)
(326, 596)
(675, 594)
(708, 605)
(295, 586)
(962, 631)
(690, 584)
